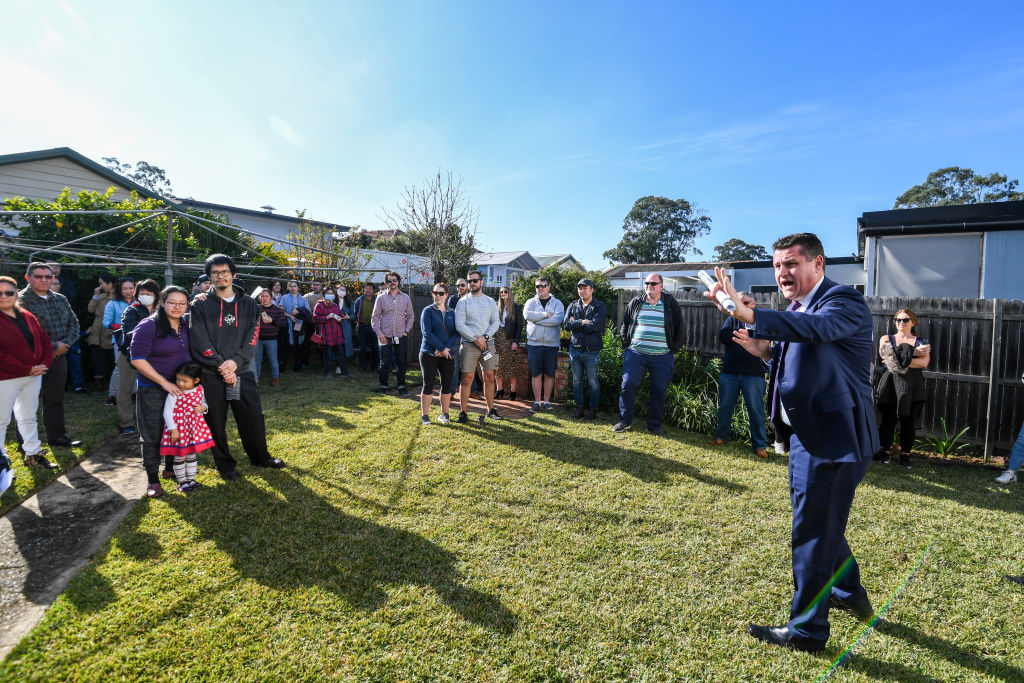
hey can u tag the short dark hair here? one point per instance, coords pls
(543, 279)
(149, 284)
(390, 273)
(442, 285)
(370, 284)
(108, 278)
(35, 265)
(475, 272)
(810, 245)
(220, 260)
(189, 368)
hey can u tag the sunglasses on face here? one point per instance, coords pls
(392, 282)
(651, 284)
(461, 284)
(902, 320)
(42, 277)
(8, 292)
(436, 293)
(541, 286)
(473, 280)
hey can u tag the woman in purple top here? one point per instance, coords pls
(159, 345)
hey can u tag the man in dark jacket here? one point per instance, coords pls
(585, 319)
(223, 334)
(744, 372)
(652, 333)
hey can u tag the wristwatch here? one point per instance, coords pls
(487, 337)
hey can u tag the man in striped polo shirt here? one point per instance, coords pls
(652, 333)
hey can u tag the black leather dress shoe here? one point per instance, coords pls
(66, 442)
(231, 475)
(859, 607)
(273, 463)
(1015, 579)
(783, 637)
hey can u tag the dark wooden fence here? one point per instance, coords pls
(973, 380)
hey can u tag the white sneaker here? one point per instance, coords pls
(337, 371)
(444, 419)
(1006, 477)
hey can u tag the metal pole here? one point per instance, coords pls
(994, 377)
(169, 271)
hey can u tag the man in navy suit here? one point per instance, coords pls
(820, 397)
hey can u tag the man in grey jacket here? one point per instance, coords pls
(476, 320)
(543, 314)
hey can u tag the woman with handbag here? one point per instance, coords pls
(901, 395)
(26, 353)
(327, 315)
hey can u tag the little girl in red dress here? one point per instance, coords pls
(185, 431)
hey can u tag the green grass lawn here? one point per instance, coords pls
(539, 549)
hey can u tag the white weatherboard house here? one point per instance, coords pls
(505, 267)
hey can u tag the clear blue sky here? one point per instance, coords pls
(772, 117)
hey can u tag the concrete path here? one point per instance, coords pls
(47, 539)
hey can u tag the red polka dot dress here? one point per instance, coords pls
(193, 433)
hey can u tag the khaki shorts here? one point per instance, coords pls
(471, 355)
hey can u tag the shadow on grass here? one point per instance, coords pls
(946, 484)
(594, 454)
(946, 650)
(296, 538)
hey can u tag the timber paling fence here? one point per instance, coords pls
(973, 379)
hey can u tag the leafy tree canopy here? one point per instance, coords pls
(563, 286)
(149, 176)
(660, 230)
(738, 250)
(953, 185)
(142, 245)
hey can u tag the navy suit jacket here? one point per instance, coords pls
(825, 381)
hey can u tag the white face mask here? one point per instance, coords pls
(146, 299)
(329, 297)
(342, 293)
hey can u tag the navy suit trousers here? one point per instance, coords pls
(821, 492)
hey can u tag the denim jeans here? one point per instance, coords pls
(634, 366)
(393, 353)
(268, 346)
(585, 363)
(1017, 454)
(369, 351)
(729, 388)
(334, 355)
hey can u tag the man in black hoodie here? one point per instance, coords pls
(223, 334)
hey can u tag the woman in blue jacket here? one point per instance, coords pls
(437, 323)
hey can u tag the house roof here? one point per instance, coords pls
(556, 260)
(72, 155)
(984, 217)
(502, 258)
(224, 208)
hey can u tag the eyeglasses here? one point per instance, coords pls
(473, 280)
(9, 292)
(175, 304)
(436, 293)
(541, 286)
(902, 320)
(220, 273)
(651, 284)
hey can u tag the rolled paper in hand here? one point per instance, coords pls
(722, 297)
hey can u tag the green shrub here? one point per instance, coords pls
(691, 402)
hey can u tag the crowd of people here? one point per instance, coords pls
(180, 360)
